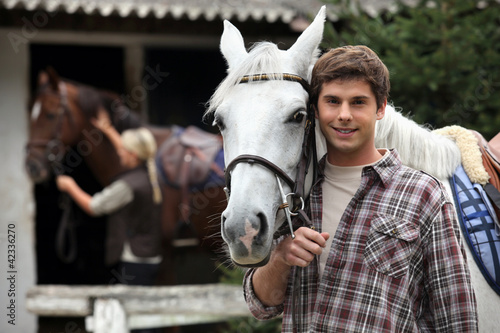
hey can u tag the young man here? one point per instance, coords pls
(385, 254)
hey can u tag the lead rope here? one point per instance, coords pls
(66, 232)
(66, 240)
(309, 145)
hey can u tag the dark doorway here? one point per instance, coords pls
(97, 66)
(192, 77)
(100, 67)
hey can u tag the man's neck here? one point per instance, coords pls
(343, 159)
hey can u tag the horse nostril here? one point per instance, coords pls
(33, 168)
(264, 227)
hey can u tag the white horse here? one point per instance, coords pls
(265, 118)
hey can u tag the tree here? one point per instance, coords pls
(443, 56)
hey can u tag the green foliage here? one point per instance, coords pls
(444, 58)
(252, 325)
(231, 275)
(234, 275)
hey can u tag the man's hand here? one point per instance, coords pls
(301, 250)
(270, 281)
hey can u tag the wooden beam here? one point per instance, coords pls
(143, 306)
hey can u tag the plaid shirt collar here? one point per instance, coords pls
(385, 168)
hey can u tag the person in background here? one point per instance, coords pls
(132, 203)
(385, 254)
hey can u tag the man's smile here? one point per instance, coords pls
(344, 131)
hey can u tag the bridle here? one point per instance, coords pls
(54, 153)
(54, 147)
(308, 146)
(308, 155)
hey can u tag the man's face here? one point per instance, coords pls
(347, 113)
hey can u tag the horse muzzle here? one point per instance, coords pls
(38, 171)
(248, 237)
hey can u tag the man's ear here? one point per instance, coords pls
(381, 110)
(316, 113)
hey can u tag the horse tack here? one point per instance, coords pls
(54, 152)
(297, 186)
(54, 148)
(490, 155)
(185, 160)
(276, 76)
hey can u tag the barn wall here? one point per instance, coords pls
(16, 200)
(18, 30)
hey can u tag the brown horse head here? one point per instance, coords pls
(53, 126)
(61, 134)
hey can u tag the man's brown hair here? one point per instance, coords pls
(351, 63)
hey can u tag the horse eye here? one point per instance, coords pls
(219, 123)
(50, 116)
(298, 116)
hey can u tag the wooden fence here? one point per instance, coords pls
(120, 308)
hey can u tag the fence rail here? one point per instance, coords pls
(120, 308)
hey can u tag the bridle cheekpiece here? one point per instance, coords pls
(297, 186)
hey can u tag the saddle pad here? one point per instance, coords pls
(478, 227)
(489, 206)
(196, 171)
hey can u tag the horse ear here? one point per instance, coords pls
(232, 45)
(306, 46)
(53, 78)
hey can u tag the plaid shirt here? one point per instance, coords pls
(396, 264)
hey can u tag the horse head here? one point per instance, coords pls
(261, 111)
(62, 135)
(55, 124)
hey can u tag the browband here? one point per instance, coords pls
(268, 77)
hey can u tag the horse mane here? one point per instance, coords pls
(417, 145)
(122, 117)
(90, 99)
(263, 58)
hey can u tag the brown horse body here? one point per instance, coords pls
(62, 137)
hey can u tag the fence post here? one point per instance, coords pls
(108, 317)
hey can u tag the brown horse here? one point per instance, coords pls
(62, 139)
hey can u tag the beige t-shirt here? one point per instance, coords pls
(340, 185)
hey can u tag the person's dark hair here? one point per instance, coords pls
(351, 63)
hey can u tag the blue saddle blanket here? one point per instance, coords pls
(478, 223)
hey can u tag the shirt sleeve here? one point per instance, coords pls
(451, 295)
(258, 310)
(111, 198)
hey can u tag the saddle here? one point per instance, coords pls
(190, 160)
(476, 218)
(490, 154)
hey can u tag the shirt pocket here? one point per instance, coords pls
(389, 245)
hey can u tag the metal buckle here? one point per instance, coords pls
(286, 206)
